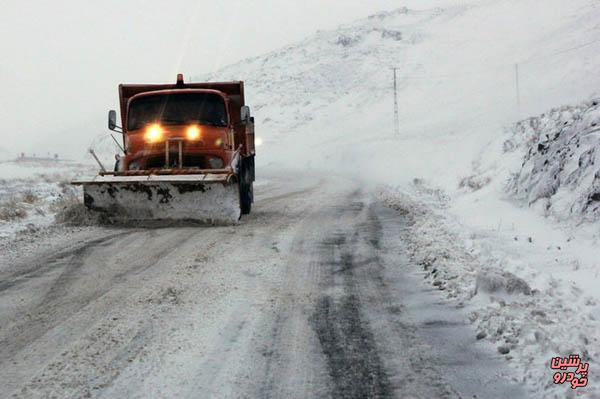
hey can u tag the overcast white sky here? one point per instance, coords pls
(61, 61)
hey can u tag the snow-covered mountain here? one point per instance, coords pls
(327, 101)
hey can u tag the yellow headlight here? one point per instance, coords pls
(154, 133)
(193, 133)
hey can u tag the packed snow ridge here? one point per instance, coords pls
(560, 172)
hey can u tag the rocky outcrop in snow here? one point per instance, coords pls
(560, 171)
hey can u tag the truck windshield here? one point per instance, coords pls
(177, 109)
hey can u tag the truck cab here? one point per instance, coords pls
(199, 126)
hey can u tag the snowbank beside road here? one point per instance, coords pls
(517, 293)
(516, 241)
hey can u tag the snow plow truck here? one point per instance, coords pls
(188, 154)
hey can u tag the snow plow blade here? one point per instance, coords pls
(205, 198)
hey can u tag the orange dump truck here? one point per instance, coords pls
(188, 154)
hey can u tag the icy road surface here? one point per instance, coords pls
(310, 297)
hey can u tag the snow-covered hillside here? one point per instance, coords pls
(327, 101)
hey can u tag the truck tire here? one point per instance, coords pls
(246, 189)
(245, 198)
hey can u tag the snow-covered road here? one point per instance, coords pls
(311, 296)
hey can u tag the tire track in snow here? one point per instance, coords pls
(346, 339)
(64, 297)
(9, 280)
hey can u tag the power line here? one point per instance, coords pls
(501, 67)
(566, 50)
(480, 72)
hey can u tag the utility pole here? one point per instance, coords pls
(396, 117)
(518, 91)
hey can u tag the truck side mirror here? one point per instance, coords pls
(112, 119)
(245, 113)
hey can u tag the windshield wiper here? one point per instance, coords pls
(211, 123)
(172, 122)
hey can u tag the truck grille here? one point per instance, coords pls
(189, 161)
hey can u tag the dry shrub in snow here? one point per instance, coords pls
(12, 210)
(29, 197)
(474, 182)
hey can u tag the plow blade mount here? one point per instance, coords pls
(210, 198)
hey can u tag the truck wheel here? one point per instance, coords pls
(245, 189)
(245, 198)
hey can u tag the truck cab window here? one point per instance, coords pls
(177, 109)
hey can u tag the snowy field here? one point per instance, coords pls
(33, 190)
